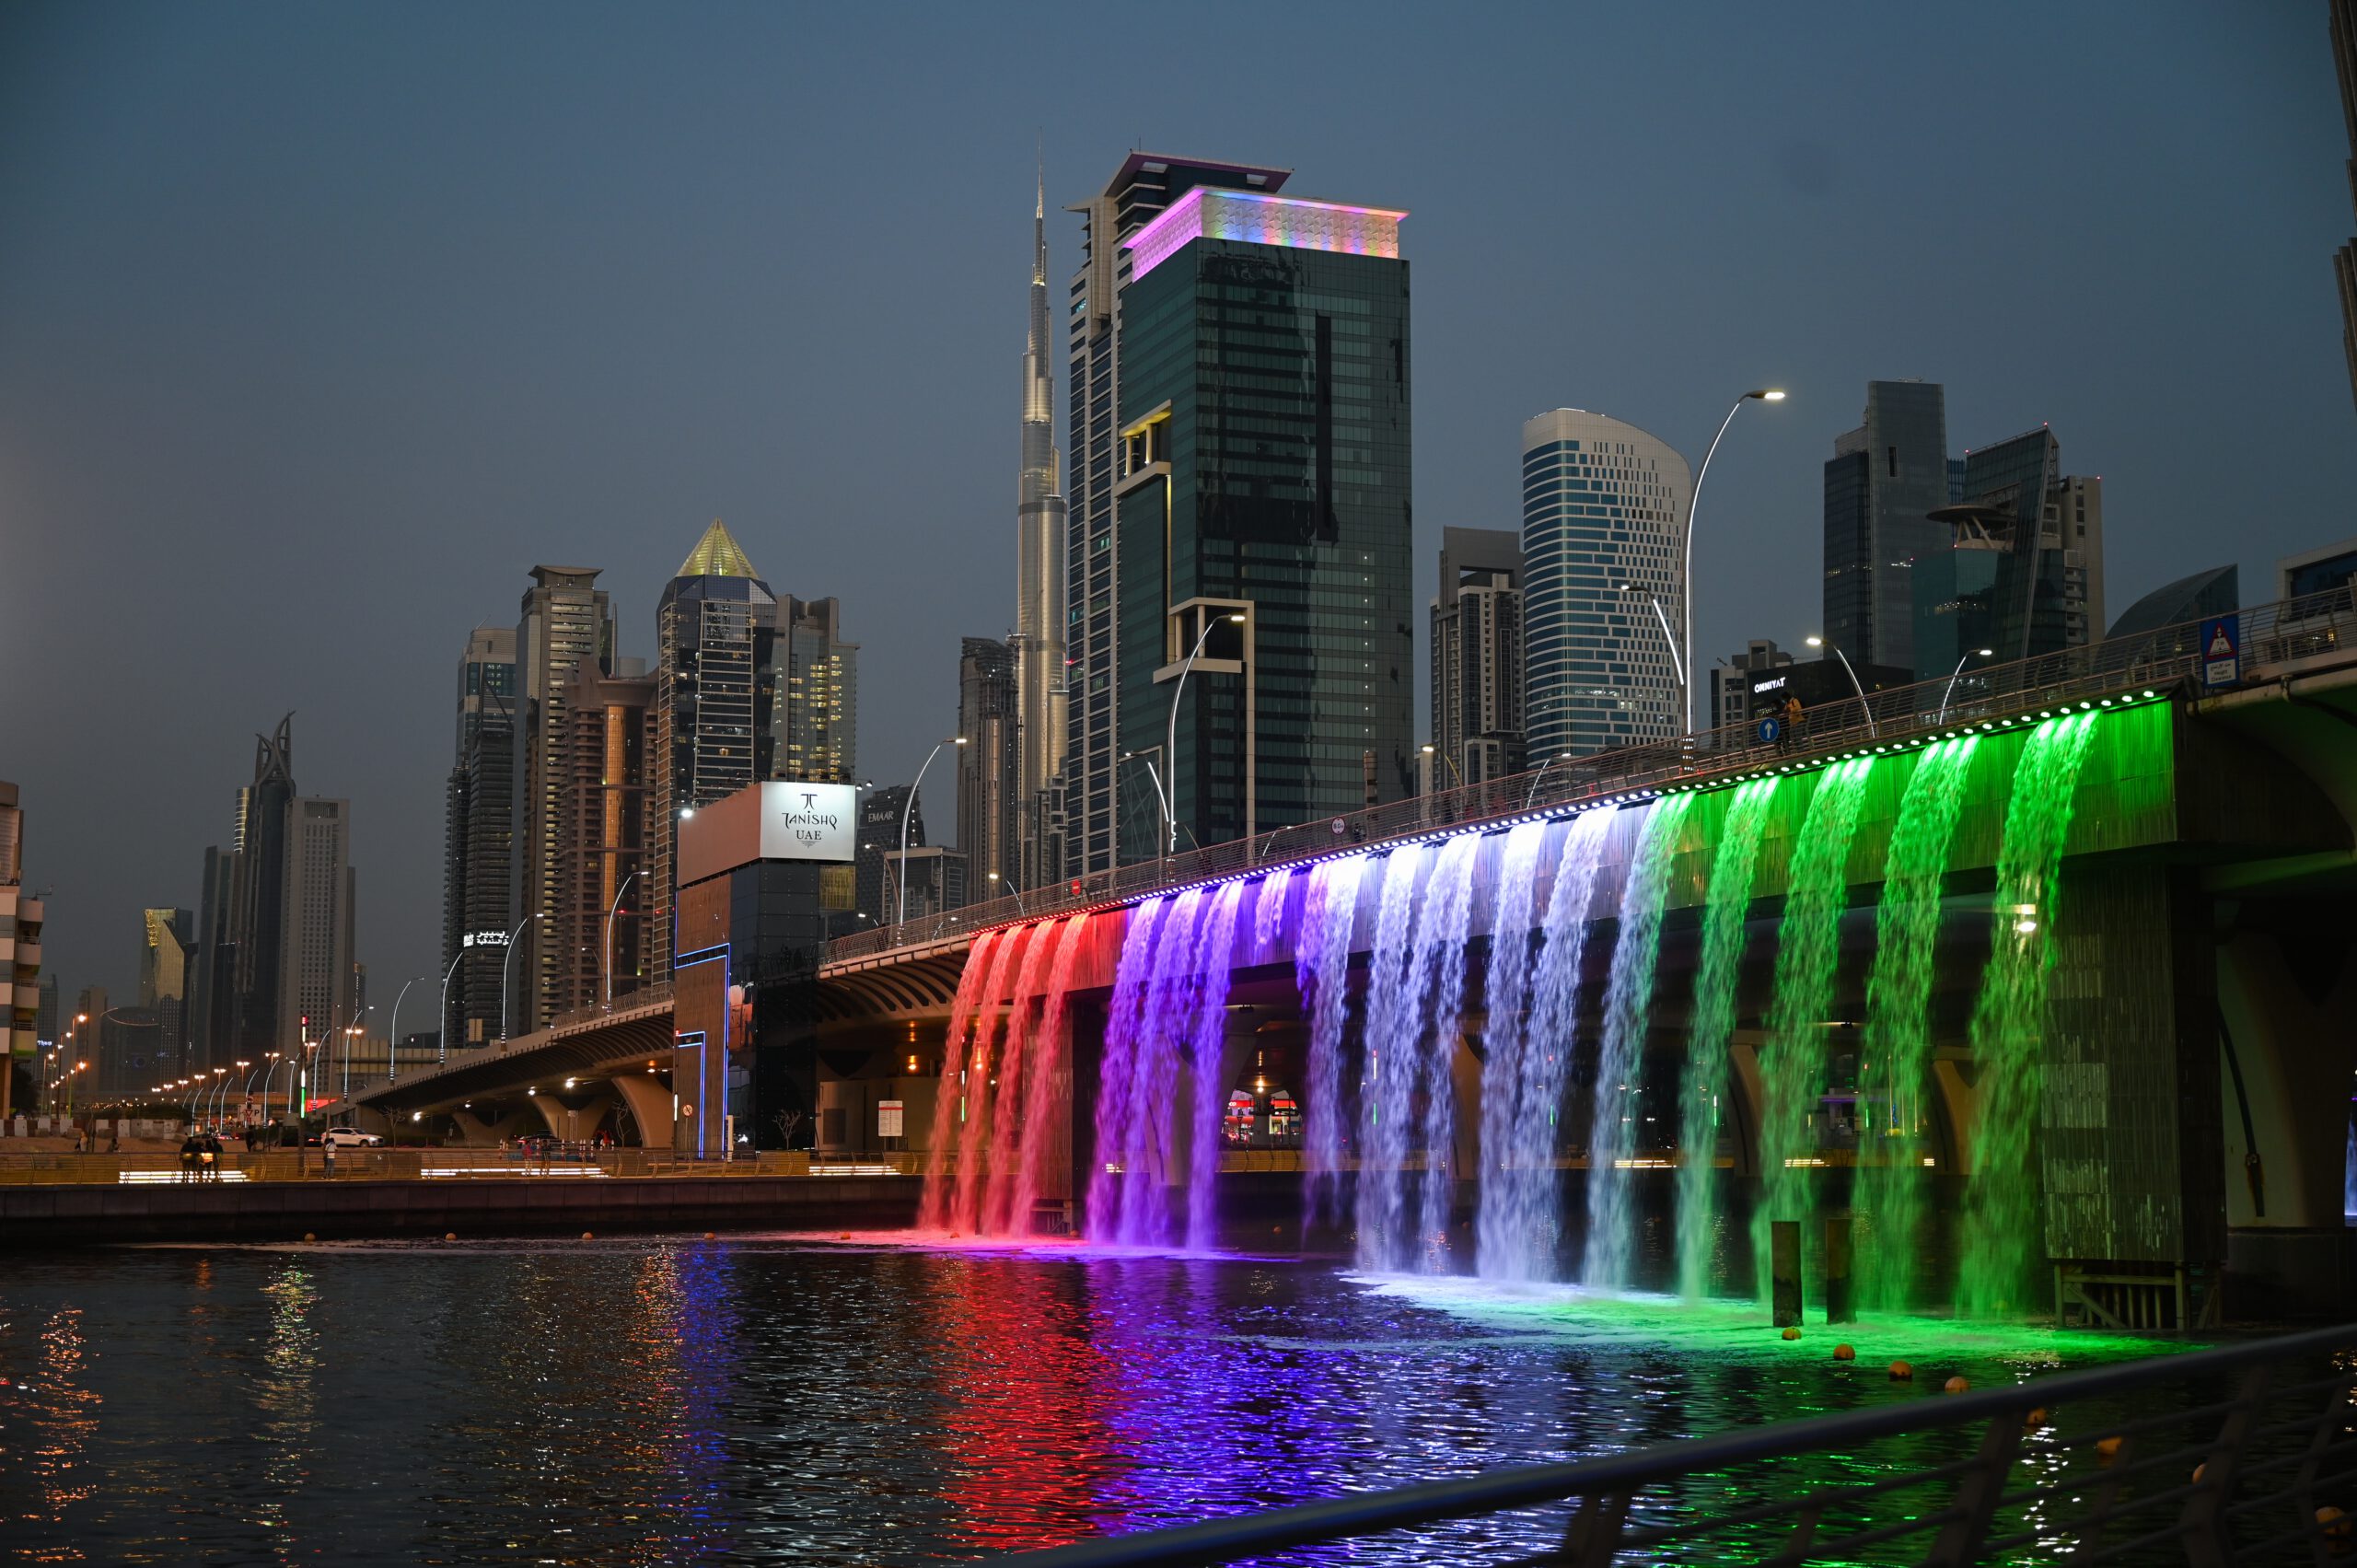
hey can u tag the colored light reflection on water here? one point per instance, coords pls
(801, 1399)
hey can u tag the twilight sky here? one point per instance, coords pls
(319, 326)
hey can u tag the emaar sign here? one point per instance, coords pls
(780, 819)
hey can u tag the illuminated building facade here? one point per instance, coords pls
(478, 834)
(565, 622)
(606, 932)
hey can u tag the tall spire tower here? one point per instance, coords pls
(1039, 640)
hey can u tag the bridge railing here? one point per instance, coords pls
(2275, 635)
(2240, 1455)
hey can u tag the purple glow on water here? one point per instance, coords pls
(1321, 967)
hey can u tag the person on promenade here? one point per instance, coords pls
(191, 1149)
(212, 1155)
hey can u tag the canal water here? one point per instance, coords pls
(789, 1400)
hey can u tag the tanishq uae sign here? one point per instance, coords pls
(816, 819)
(777, 819)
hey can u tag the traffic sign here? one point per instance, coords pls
(2222, 657)
(1768, 729)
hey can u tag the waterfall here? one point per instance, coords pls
(1142, 1145)
(973, 1125)
(1214, 962)
(2000, 1224)
(1808, 947)
(995, 1129)
(932, 1213)
(1619, 1099)
(1123, 1022)
(1519, 1182)
(1717, 971)
(1506, 992)
(1321, 965)
(1046, 1099)
(1896, 1055)
(1393, 1022)
(1440, 977)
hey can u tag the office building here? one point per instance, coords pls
(608, 935)
(1037, 646)
(879, 835)
(1262, 508)
(258, 923)
(1477, 658)
(989, 770)
(817, 712)
(1731, 681)
(166, 938)
(566, 622)
(934, 876)
(1884, 482)
(2023, 573)
(30, 1013)
(210, 983)
(2329, 568)
(478, 864)
(2343, 26)
(1099, 784)
(1604, 508)
(715, 695)
(319, 975)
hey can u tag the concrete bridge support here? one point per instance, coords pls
(646, 1105)
(480, 1131)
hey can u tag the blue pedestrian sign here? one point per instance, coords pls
(2222, 652)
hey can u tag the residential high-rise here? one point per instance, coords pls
(1037, 646)
(166, 938)
(1264, 508)
(565, 622)
(478, 860)
(1731, 682)
(317, 975)
(2022, 571)
(817, 701)
(1477, 658)
(259, 919)
(30, 994)
(210, 983)
(1096, 782)
(879, 835)
(609, 945)
(988, 771)
(1603, 524)
(715, 695)
(1885, 480)
(2343, 26)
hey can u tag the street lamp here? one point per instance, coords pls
(343, 1087)
(1429, 750)
(608, 962)
(1160, 804)
(511, 959)
(1535, 778)
(1686, 552)
(1170, 741)
(442, 1025)
(393, 1045)
(1970, 653)
(902, 916)
(1854, 686)
(1014, 890)
(1677, 666)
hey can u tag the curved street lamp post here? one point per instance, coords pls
(1170, 741)
(1686, 551)
(907, 806)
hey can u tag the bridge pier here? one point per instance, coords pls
(647, 1100)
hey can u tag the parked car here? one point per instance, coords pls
(352, 1138)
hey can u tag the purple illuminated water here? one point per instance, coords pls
(1387, 1096)
(1322, 975)
(1208, 1000)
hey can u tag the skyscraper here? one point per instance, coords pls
(565, 622)
(1097, 783)
(1603, 524)
(2022, 570)
(1881, 486)
(2343, 26)
(1477, 658)
(607, 942)
(317, 976)
(1263, 512)
(209, 978)
(879, 836)
(715, 693)
(31, 995)
(478, 860)
(1037, 646)
(817, 701)
(166, 936)
(988, 676)
(259, 921)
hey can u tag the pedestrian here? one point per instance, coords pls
(191, 1151)
(213, 1154)
(1792, 735)
(114, 1137)
(81, 1142)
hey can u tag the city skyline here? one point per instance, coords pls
(482, 510)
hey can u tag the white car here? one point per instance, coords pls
(352, 1138)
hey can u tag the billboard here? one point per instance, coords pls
(776, 819)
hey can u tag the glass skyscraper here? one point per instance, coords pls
(1263, 470)
(1885, 480)
(1603, 513)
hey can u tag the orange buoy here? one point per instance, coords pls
(1900, 1372)
(1845, 1352)
(449, 1235)
(2334, 1522)
(707, 1236)
(845, 1237)
(587, 1236)
(1791, 1334)
(1957, 1384)
(2107, 1448)
(2037, 1417)
(308, 1236)
(2197, 1473)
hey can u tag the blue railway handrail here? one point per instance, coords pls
(2206, 1524)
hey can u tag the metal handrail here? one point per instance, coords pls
(1608, 1490)
(2273, 636)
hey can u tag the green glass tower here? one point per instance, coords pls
(1262, 472)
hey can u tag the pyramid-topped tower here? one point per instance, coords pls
(717, 554)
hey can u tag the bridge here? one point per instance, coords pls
(2205, 955)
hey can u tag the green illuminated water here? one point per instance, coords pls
(1808, 946)
(1714, 1005)
(1895, 1099)
(2000, 1223)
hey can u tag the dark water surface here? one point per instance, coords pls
(776, 1400)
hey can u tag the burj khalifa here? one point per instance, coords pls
(1039, 640)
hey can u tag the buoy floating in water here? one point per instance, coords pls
(707, 1236)
(1791, 1334)
(1845, 1352)
(587, 1236)
(308, 1236)
(2038, 1416)
(449, 1235)
(2334, 1522)
(2108, 1448)
(1900, 1372)
(1957, 1384)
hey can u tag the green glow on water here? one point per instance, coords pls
(1714, 1005)
(1792, 1063)
(2001, 1232)
(1895, 1099)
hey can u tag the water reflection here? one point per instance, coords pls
(781, 1399)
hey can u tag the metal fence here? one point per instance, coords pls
(2245, 1455)
(2275, 638)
